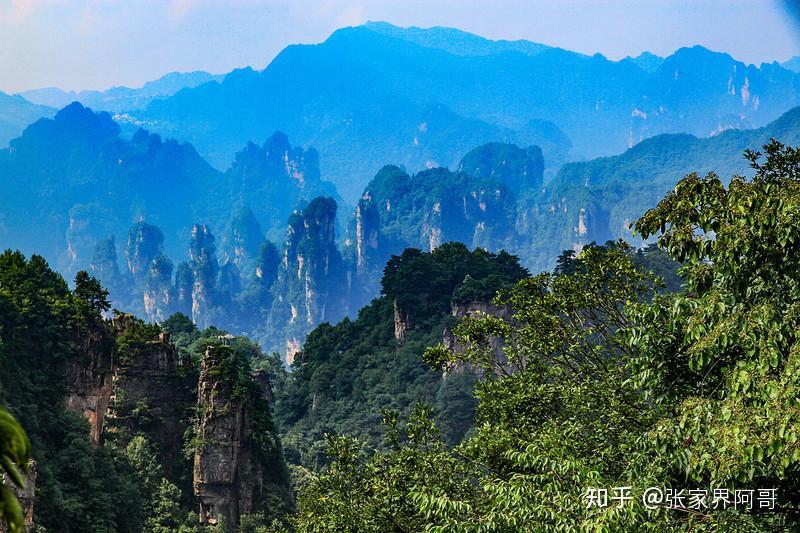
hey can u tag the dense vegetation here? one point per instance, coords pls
(609, 382)
(348, 373)
(130, 482)
(43, 324)
(15, 451)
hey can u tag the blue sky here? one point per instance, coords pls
(100, 43)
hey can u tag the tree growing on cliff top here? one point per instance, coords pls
(89, 290)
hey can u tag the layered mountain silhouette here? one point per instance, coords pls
(73, 180)
(16, 113)
(427, 145)
(421, 98)
(597, 200)
(379, 93)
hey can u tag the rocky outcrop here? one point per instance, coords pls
(145, 243)
(88, 379)
(402, 323)
(159, 293)
(229, 464)
(476, 309)
(146, 387)
(367, 231)
(152, 393)
(243, 242)
(435, 206)
(266, 271)
(311, 286)
(184, 283)
(104, 267)
(281, 177)
(204, 266)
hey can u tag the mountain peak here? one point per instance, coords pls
(454, 41)
(647, 61)
(73, 123)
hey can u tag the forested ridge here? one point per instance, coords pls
(612, 373)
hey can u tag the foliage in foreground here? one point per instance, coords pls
(608, 383)
(15, 450)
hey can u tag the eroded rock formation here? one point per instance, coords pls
(152, 392)
(88, 379)
(145, 386)
(311, 286)
(230, 462)
(476, 309)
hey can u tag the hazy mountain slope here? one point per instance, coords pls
(16, 113)
(456, 41)
(648, 61)
(72, 181)
(792, 64)
(363, 98)
(596, 200)
(118, 99)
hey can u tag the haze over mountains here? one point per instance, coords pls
(258, 250)
(421, 98)
(365, 96)
(342, 154)
(16, 113)
(121, 99)
(21, 109)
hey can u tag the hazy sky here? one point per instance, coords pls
(100, 43)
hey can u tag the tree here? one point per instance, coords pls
(554, 417)
(89, 290)
(727, 353)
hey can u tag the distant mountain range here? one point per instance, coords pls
(378, 93)
(792, 64)
(121, 99)
(597, 200)
(21, 109)
(81, 181)
(15, 113)
(456, 42)
(421, 98)
(425, 146)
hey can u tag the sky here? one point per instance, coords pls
(96, 44)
